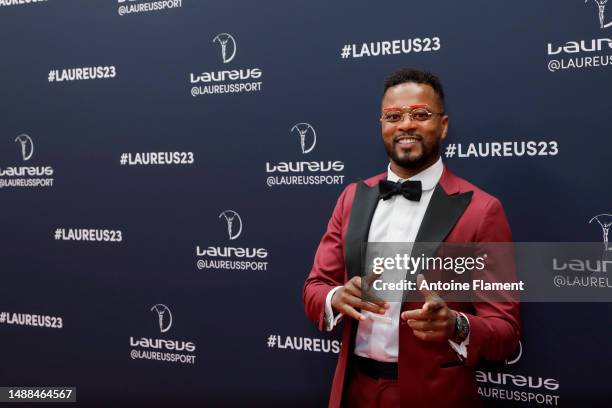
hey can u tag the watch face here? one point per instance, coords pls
(464, 327)
(461, 328)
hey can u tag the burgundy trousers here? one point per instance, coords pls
(367, 392)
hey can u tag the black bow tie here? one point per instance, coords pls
(412, 190)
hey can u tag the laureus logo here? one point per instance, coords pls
(27, 146)
(228, 46)
(601, 6)
(234, 223)
(516, 355)
(164, 317)
(605, 222)
(308, 136)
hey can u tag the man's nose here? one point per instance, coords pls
(407, 123)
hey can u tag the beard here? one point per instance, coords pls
(410, 160)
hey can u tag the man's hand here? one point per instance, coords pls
(348, 298)
(434, 321)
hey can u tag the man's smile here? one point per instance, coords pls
(407, 139)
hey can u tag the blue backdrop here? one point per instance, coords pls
(96, 95)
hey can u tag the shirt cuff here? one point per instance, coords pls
(330, 320)
(461, 348)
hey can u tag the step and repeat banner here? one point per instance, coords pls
(167, 169)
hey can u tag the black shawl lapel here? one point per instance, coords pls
(364, 204)
(442, 214)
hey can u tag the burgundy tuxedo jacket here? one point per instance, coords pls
(458, 212)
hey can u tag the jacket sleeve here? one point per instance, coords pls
(328, 270)
(495, 325)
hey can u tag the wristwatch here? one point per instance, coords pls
(462, 328)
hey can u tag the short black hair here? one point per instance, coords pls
(417, 76)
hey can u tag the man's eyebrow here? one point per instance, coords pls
(417, 105)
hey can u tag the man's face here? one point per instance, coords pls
(410, 144)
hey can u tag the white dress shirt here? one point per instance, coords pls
(395, 220)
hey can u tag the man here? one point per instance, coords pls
(408, 354)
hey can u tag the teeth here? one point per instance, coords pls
(407, 141)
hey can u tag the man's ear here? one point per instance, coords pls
(445, 128)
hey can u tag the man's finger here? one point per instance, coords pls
(415, 314)
(428, 294)
(355, 288)
(350, 311)
(429, 335)
(433, 301)
(356, 282)
(358, 303)
(433, 306)
(371, 307)
(422, 314)
(427, 325)
(376, 300)
(370, 278)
